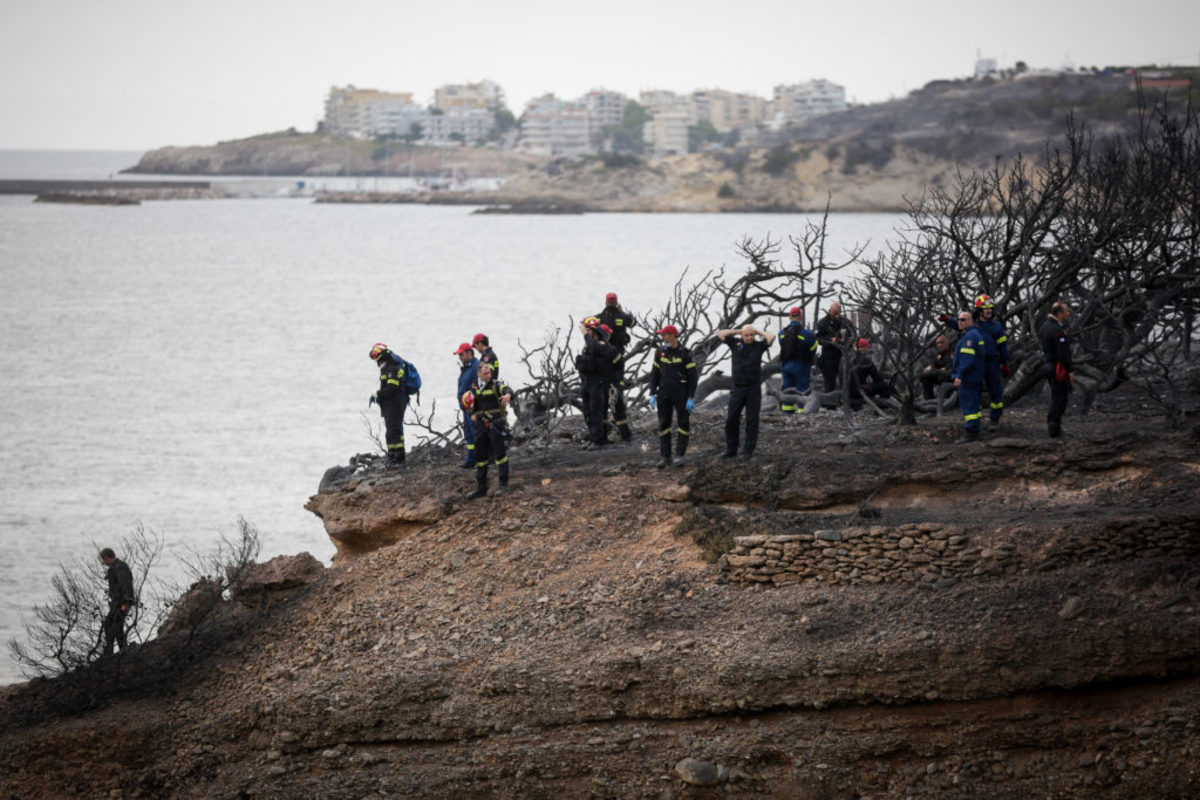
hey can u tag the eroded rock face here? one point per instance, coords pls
(568, 639)
(363, 515)
(277, 575)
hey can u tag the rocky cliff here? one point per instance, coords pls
(856, 612)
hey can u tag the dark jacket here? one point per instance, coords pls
(673, 368)
(1056, 349)
(487, 406)
(828, 331)
(746, 360)
(797, 343)
(488, 356)
(466, 378)
(995, 330)
(391, 382)
(120, 584)
(620, 322)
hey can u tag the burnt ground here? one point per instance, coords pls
(577, 638)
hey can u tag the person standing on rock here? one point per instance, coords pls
(797, 350)
(996, 368)
(468, 369)
(831, 333)
(488, 401)
(746, 351)
(620, 322)
(121, 598)
(1056, 350)
(673, 381)
(486, 354)
(392, 398)
(969, 356)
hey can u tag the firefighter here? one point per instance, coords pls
(831, 333)
(970, 355)
(595, 364)
(673, 380)
(620, 322)
(745, 352)
(392, 398)
(486, 354)
(797, 350)
(468, 369)
(1056, 349)
(996, 367)
(488, 400)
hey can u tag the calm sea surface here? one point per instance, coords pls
(180, 364)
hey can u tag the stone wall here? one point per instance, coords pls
(935, 555)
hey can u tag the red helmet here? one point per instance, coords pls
(591, 322)
(984, 301)
(378, 349)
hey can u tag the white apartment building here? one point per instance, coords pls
(657, 101)
(363, 113)
(726, 111)
(605, 107)
(485, 95)
(553, 127)
(801, 100)
(666, 132)
(463, 125)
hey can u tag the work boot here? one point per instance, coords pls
(502, 490)
(728, 454)
(1055, 430)
(665, 461)
(480, 484)
(968, 436)
(679, 461)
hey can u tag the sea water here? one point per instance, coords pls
(181, 364)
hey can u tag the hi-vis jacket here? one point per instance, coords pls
(673, 368)
(487, 407)
(391, 382)
(970, 355)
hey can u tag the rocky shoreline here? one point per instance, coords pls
(1014, 618)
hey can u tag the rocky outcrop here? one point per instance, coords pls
(571, 639)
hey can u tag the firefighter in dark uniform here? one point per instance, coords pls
(392, 398)
(596, 370)
(1056, 350)
(468, 369)
(486, 354)
(488, 400)
(797, 351)
(745, 352)
(996, 368)
(970, 355)
(673, 381)
(121, 598)
(831, 332)
(620, 322)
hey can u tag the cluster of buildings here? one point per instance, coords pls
(474, 113)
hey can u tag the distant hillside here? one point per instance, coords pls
(862, 159)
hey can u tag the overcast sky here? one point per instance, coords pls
(139, 74)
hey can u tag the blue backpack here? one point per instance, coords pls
(412, 379)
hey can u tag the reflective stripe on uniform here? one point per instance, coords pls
(969, 417)
(967, 350)
(997, 406)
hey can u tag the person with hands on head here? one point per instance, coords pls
(746, 351)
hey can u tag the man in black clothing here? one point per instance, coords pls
(866, 380)
(619, 322)
(938, 369)
(746, 352)
(673, 380)
(1057, 353)
(488, 401)
(831, 332)
(596, 365)
(120, 599)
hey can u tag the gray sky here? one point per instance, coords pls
(136, 74)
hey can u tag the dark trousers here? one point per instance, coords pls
(749, 399)
(795, 375)
(970, 395)
(468, 426)
(673, 402)
(393, 429)
(830, 364)
(931, 380)
(490, 448)
(595, 409)
(1060, 393)
(995, 388)
(617, 397)
(114, 630)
